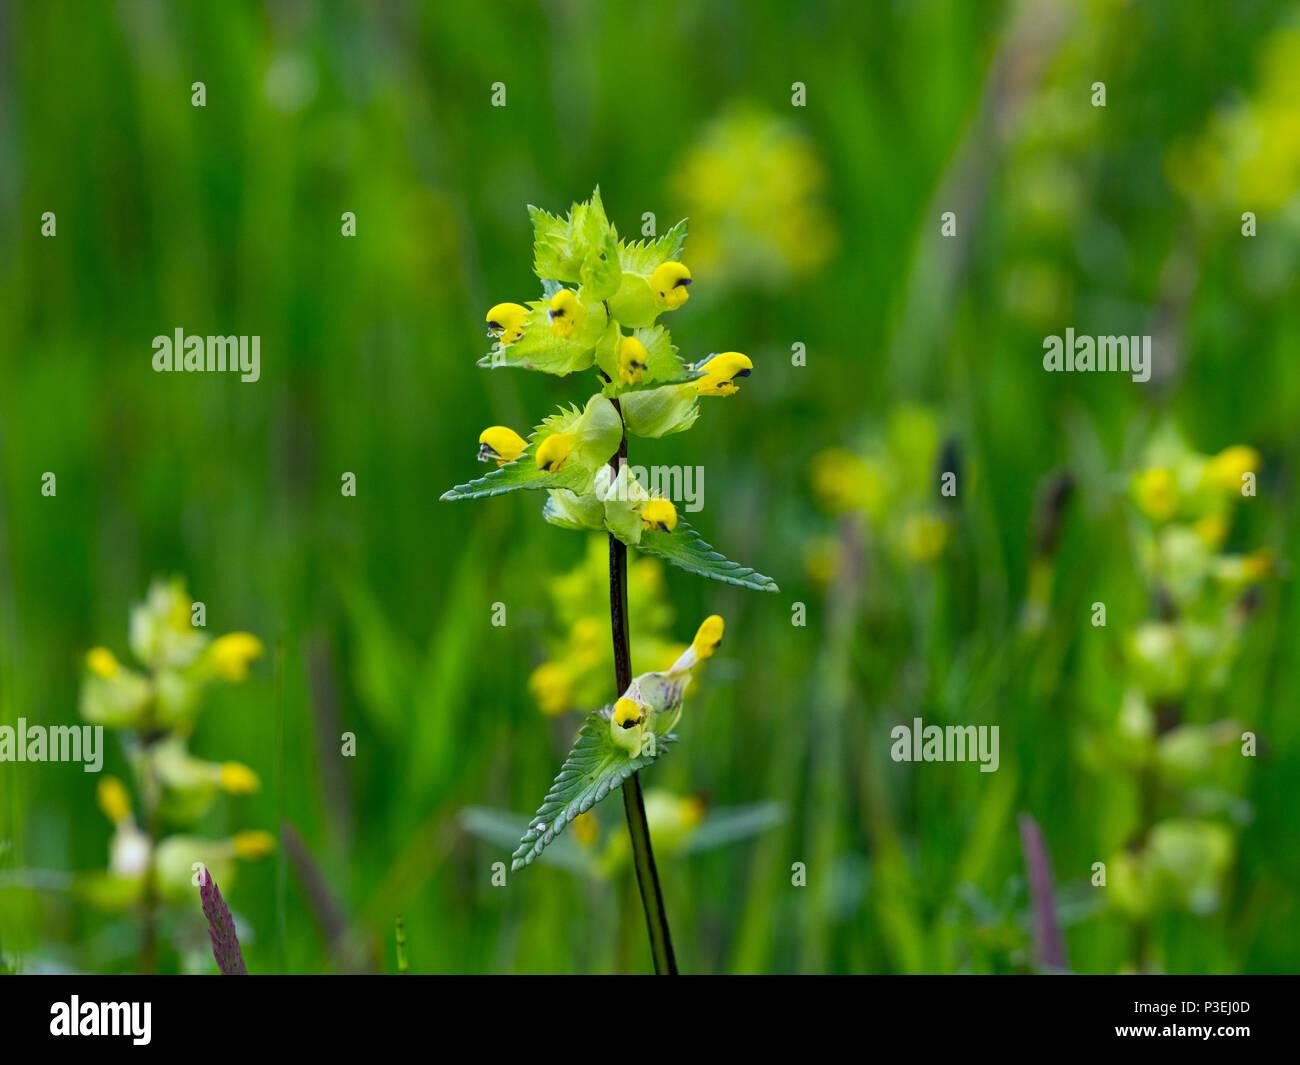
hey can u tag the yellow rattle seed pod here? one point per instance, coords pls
(111, 795)
(631, 360)
(506, 321)
(101, 662)
(238, 779)
(707, 637)
(500, 444)
(669, 283)
(659, 514)
(565, 310)
(720, 374)
(554, 451)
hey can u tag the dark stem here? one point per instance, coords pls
(647, 876)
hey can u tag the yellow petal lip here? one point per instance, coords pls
(1156, 493)
(100, 661)
(507, 321)
(113, 799)
(553, 452)
(626, 713)
(669, 284)
(564, 312)
(252, 845)
(238, 779)
(232, 653)
(631, 360)
(500, 444)
(720, 373)
(708, 636)
(659, 514)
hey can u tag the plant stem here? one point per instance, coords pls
(647, 876)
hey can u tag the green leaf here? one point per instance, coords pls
(646, 256)
(600, 273)
(684, 548)
(594, 768)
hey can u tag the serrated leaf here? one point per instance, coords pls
(645, 257)
(684, 548)
(600, 272)
(595, 767)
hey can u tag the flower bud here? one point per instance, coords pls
(1156, 493)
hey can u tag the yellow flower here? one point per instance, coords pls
(253, 845)
(1156, 493)
(707, 637)
(232, 653)
(500, 444)
(631, 360)
(843, 481)
(1258, 564)
(720, 373)
(1227, 468)
(113, 799)
(551, 686)
(101, 662)
(659, 514)
(238, 779)
(693, 810)
(553, 452)
(565, 311)
(625, 725)
(923, 537)
(1212, 529)
(669, 284)
(586, 829)
(507, 321)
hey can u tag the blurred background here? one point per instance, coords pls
(814, 225)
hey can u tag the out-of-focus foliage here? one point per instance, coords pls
(377, 609)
